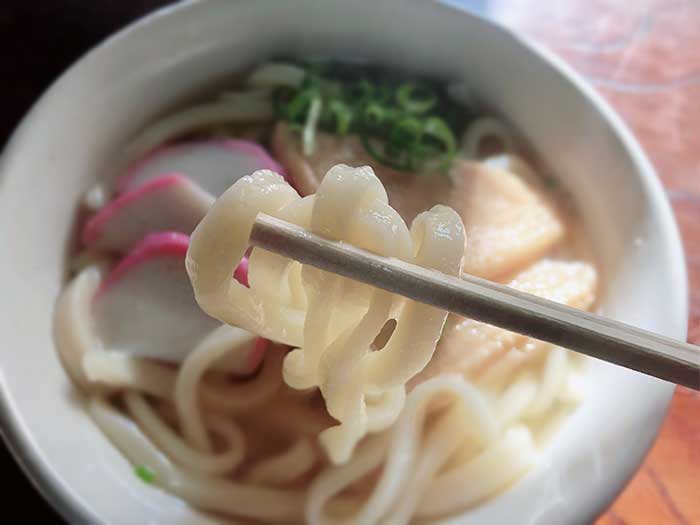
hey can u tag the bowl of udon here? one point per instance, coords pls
(156, 369)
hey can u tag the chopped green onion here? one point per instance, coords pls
(415, 98)
(297, 109)
(309, 133)
(145, 474)
(441, 133)
(374, 115)
(406, 132)
(360, 90)
(384, 93)
(341, 115)
(407, 125)
(374, 151)
(436, 128)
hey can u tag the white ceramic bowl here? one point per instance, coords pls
(76, 130)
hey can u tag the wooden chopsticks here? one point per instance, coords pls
(489, 302)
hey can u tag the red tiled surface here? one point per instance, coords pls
(644, 57)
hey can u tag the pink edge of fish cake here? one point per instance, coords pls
(124, 180)
(161, 244)
(153, 245)
(258, 353)
(94, 226)
(241, 272)
(252, 148)
(255, 150)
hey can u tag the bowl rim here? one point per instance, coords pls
(12, 428)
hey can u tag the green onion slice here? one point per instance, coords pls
(145, 474)
(437, 129)
(308, 135)
(406, 125)
(388, 160)
(341, 115)
(415, 98)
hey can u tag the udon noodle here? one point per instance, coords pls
(333, 322)
(318, 399)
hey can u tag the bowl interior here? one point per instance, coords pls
(75, 133)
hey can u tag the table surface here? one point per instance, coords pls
(642, 56)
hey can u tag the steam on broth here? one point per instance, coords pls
(257, 388)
